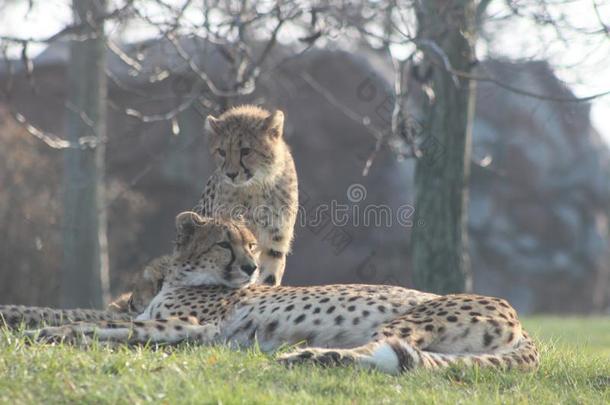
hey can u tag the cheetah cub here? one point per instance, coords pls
(144, 287)
(389, 328)
(255, 177)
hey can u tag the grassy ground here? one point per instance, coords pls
(575, 369)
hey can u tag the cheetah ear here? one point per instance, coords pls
(186, 223)
(274, 124)
(213, 124)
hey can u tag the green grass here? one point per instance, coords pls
(575, 370)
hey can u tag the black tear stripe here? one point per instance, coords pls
(405, 360)
(247, 171)
(228, 266)
(275, 254)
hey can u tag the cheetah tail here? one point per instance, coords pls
(13, 316)
(395, 356)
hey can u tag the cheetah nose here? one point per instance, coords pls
(232, 175)
(248, 268)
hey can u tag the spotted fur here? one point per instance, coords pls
(256, 178)
(389, 328)
(14, 316)
(125, 307)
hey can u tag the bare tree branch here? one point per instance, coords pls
(74, 31)
(52, 140)
(605, 28)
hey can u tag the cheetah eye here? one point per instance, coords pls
(221, 152)
(224, 245)
(252, 246)
(245, 151)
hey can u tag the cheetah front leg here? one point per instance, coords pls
(162, 331)
(274, 234)
(81, 333)
(272, 263)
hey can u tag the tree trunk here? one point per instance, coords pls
(439, 243)
(84, 281)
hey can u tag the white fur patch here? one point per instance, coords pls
(384, 358)
(144, 316)
(197, 278)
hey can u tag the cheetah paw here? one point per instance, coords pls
(324, 358)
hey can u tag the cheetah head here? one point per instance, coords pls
(144, 286)
(246, 143)
(212, 251)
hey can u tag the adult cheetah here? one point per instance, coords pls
(389, 328)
